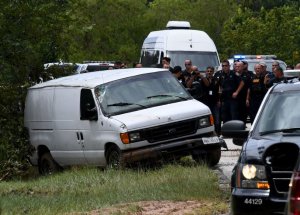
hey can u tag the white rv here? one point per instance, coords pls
(179, 42)
(116, 117)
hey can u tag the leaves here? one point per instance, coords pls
(266, 32)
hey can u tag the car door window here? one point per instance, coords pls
(88, 110)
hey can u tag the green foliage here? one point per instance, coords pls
(267, 32)
(256, 5)
(33, 32)
(112, 30)
(14, 145)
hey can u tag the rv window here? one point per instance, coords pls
(88, 110)
(150, 58)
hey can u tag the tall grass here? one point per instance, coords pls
(87, 189)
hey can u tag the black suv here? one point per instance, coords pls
(260, 179)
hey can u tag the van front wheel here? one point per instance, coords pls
(114, 158)
(47, 165)
(211, 156)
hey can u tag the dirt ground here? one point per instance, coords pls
(168, 207)
(156, 208)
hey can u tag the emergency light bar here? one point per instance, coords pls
(101, 62)
(241, 57)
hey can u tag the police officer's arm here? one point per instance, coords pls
(248, 97)
(267, 81)
(189, 81)
(241, 85)
(203, 79)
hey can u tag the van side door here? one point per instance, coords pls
(92, 128)
(68, 147)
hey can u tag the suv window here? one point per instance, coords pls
(283, 116)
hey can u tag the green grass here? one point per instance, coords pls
(86, 189)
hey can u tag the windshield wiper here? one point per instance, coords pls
(166, 95)
(284, 130)
(125, 104)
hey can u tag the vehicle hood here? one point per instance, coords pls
(163, 114)
(255, 147)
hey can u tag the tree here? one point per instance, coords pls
(268, 32)
(33, 32)
(113, 30)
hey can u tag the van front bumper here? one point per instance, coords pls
(175, 148)
(254, 201)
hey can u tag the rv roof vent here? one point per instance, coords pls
(178, 25)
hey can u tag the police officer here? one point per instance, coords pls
(193, 83)
(211, 95)
(231, 84)
(256, 91)
(246, 76)
(278, 77)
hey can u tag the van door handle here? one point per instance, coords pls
(81, 136)
(78, 138)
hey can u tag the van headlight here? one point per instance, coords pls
(206, 121)
(252, 176)
(131, 137)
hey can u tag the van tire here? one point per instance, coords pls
(211, 157)
(47, 165)
(114, 158)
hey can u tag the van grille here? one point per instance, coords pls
(171, 131)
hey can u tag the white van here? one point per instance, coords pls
(179, 42)
(115, 117)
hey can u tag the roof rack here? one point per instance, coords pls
(178, 25)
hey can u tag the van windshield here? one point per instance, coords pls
(139, 92)
(200, 59)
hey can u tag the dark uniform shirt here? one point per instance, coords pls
(229, 84)
(211, 92)
(257, 86)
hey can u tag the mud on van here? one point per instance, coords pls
(179, 42)
(116, 117)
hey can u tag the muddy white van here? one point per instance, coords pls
(116, 117)
(179, 42)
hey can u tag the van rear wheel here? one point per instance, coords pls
(47, 165)
(114, 158)
(211, 157)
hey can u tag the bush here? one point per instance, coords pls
(14, 146)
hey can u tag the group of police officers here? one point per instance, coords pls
(230, 94)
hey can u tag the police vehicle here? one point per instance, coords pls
(261, 177)
(255, 59)
(92, 66)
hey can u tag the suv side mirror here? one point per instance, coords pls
(235, 129)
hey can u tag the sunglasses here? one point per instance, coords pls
(187, 64)
(225, 65)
